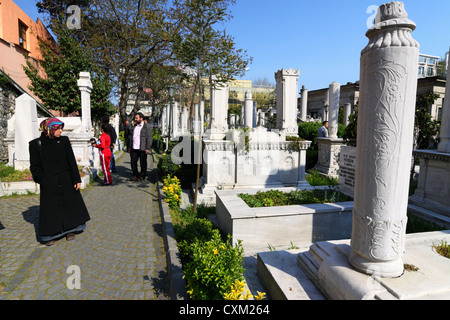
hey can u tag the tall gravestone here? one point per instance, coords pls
(388, 86)
(304, 103)
(85, 87)
(26, 129)
(219, 109)
(287, 101)
(248, 110)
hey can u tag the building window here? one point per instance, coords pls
(421, 71)
(430, 72)
(23, 35)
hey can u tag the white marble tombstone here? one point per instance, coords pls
(85, 86)
(287, 100)
(219, 109)
(26, 129)
(248, 110)
(388, 86)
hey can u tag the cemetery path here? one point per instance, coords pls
(120, 255)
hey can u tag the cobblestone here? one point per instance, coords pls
(121, 253)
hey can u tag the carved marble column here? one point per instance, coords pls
(248, 110)
(334, 98)
(388, 86)
(347, 113)
(304, 97)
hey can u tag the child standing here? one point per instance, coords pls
(105, 154)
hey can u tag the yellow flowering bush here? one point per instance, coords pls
(213, 266)
(237, 292)
(172, 189)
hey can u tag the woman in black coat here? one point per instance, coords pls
(53, 166)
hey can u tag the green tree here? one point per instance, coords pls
(58, 88)
(351, 129)
(201, 46)
(425, 127)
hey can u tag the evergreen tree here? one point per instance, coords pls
(62, 64)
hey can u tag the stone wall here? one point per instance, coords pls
(8, 94)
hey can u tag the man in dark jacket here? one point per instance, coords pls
(140, 146)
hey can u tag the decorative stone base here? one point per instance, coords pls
(329, 153)
(327, 266)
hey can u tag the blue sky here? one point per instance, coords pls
(323, 39)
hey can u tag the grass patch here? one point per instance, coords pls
(276, 198)
(9, 174)
(443, 249)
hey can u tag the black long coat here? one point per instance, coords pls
(53, 166)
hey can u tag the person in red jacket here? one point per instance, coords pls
(105, 154)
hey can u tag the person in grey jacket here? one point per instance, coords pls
(140, 146)
(323, 131)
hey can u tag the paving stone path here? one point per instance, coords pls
(120, 255)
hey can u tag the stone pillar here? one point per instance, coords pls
(388, 86)
(287, 100)
(347, 113)
(444, 145)
(164, 124)
(334, 97)
(85, 86)
(202, 117)
(304, 108)
(248, 110)
(184, 120)
(255, 113)
(174, 124)
(219, 110)
(232, 120)
(196, 120)
(26, 129)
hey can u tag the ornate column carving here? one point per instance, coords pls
(388, 86)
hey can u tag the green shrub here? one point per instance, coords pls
(316, 179)
(9, 174)
(214, 268)
(167, 167)
(297, 197)
(210, 263)
(5, 170)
